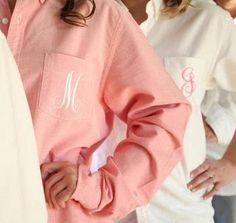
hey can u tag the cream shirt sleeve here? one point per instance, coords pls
(219, 109)
(21, 191)
(221, 113)
(225, 65)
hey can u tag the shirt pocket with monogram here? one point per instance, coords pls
(188, 73)
(67, 85)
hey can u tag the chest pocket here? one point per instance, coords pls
(68, 87)
(189, 74)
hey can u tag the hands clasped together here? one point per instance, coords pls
(60, 181)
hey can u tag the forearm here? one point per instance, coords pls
(231, 150)
(139, 166)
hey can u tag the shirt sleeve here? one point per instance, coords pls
(139, 91)
(224, 71)
(221, 115)
(219, 109)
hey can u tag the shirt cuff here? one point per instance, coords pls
(221, 123)
(84, 194)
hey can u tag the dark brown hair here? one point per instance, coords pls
(71, 15)
(174, 7)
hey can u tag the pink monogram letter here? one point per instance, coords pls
(189, 85)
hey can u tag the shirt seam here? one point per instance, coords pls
(110, 56)
(217, 54)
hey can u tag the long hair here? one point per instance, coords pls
(175, 7)
(71, 15)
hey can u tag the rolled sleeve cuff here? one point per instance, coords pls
(87, 190)
(221, 123)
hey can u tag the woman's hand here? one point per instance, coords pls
(216, 173)
(60, 181)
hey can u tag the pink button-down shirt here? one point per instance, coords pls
(76, 79)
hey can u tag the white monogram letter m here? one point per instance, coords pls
(70, 91)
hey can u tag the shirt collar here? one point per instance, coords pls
(122, 4)
(153, 10)
(157, 5)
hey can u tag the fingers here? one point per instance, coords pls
(211, 174)
(49, 168)
(203, 181)
(71, 182)
(199, 170)
(55, 190)
(49, 183)
(203, 176)
(213, 191)
(64, 196)
(60, 179)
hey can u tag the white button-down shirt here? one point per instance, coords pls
(201, 42)
(21, 191)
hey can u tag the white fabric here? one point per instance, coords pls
(219, 107)
(21, 191)
(198, 49)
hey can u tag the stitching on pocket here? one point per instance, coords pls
(59, 96)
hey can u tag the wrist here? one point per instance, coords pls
(229, 162)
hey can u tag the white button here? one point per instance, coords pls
(5, 21)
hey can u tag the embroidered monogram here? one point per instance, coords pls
(63, 94)
(189, 85)
(70, 93)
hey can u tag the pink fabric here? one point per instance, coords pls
(5, 15)
(75, 80)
